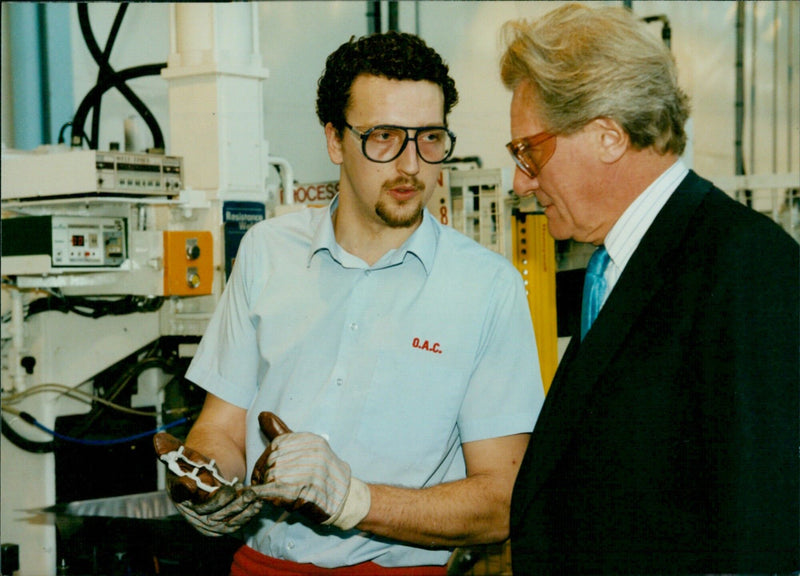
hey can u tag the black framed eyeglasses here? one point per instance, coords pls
(531, 153)
(385, 143)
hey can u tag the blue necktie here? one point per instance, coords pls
(594, 289)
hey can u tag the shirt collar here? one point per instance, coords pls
(624, 237)
(421, 244)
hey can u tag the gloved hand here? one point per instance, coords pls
(299, 471)
(228, 509)
(209, 502)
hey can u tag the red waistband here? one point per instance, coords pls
(249, 562)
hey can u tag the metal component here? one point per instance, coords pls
(173, 460)
(146, 506)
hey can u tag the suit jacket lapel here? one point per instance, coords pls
(584, 362)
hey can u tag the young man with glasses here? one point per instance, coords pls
(399, 352)
(668, 441)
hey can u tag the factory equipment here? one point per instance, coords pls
(66, 242)
(113, 262)
(53, 173)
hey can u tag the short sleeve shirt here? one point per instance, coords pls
(395, 364)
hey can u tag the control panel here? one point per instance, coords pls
(188, 262)
(71, 242)
(127, 173)
(38, 175)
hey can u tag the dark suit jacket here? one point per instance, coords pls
(669, 439)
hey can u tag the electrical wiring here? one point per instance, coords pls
(70, 392)
(109, 78)
(61, 139)
(130, 375)
(88, 307)
(122, 76)
(73, 392)
(99, 404)
(103, 71)
(134, 371)
(20, 441)
(94, 442)
(95, 307)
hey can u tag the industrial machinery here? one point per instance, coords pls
(112, 263)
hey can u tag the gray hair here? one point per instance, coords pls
(585, 63)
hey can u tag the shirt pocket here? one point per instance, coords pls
(410, 416)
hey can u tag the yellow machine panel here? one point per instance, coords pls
(188, 262)
(534, 257)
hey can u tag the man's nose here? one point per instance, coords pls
(524, 185)
(409, 159)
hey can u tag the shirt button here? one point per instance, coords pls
(290, 545)
(353, 326)
(339, 381)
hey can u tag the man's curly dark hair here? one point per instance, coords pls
(392, 55)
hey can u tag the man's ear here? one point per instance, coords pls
(613, 139)
(334, 144)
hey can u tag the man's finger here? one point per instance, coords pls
(272, 427)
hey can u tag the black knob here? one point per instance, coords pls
(9, 559)
(28, 362)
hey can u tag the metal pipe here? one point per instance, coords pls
(23, 18)
(287, 177)
(374, 17)
(775, 38)
(393, 21)
(739, 101)
(753, 67)
(790, 58)
(18, 340)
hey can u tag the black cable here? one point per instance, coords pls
(23, 443)
(111, 78)
(95, 308)
(61, 132)
(108, 76)
(88, 102)
(128, 74)
(130, 375)
(103, 72)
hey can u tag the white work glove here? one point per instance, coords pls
(209, 502)
(300, 472)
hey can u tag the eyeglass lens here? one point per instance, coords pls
(385, 143)
(531, 153)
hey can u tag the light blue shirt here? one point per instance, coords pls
(395, 364)
(624, 237)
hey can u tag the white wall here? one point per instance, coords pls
(296, 37)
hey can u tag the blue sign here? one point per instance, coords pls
(238, 217)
